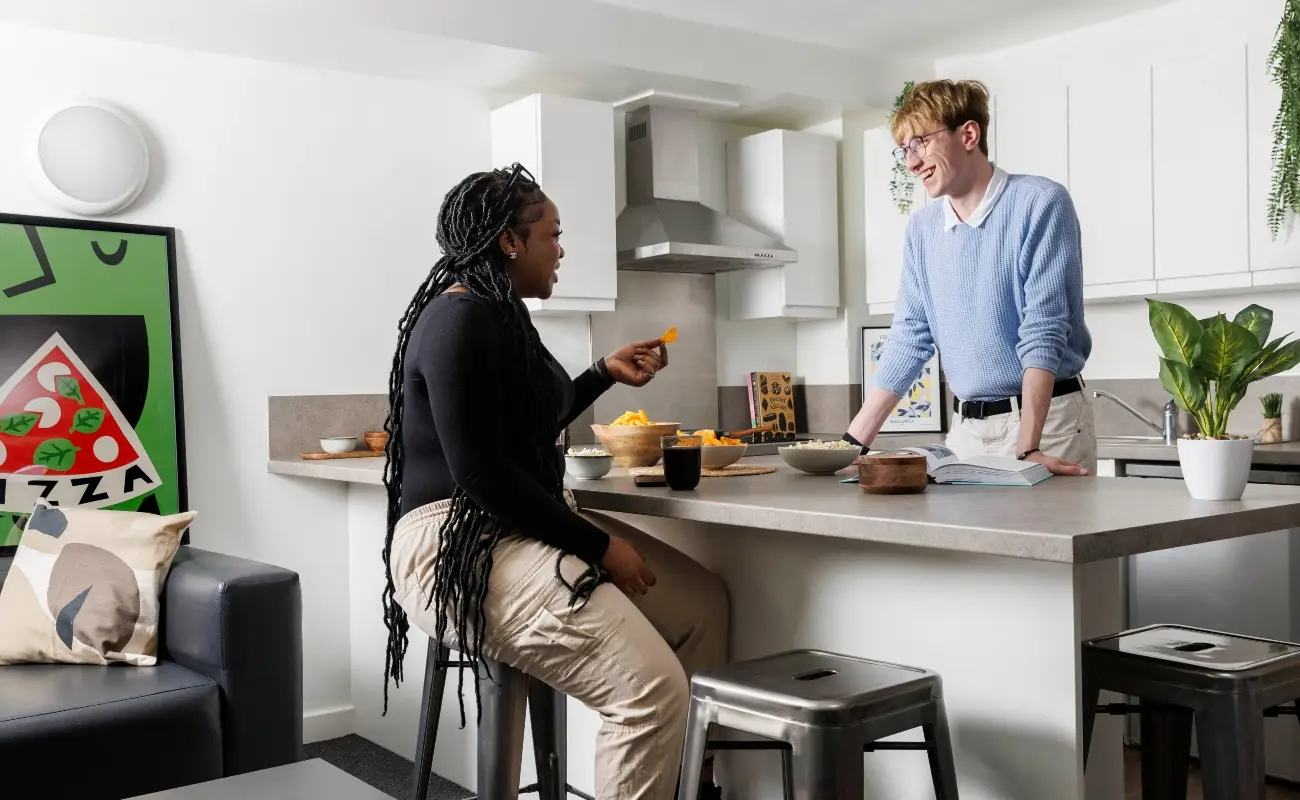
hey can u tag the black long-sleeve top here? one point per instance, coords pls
(460, 428)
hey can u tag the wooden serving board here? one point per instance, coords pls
(352, 454)
(733, 471)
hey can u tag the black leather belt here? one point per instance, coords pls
(983, 409)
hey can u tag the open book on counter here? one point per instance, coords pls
(944, 467)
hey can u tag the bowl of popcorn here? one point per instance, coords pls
(633, 439)
(820, 458)
(588, 463)
(717, 451)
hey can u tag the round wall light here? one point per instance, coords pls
(89, 158)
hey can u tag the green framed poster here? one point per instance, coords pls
(90, 380)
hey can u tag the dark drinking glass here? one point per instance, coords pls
(681, 461)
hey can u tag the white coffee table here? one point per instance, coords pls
(305, 780)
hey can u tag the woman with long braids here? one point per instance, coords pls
(485, 549)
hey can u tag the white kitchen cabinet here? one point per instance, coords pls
(1199, 143)
(786, 184)
(884, 226)
(568, 145)
(1110, 181)
(1031, 125)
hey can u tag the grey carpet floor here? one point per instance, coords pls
(383, 769)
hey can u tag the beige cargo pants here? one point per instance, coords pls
(1068, 433)
(627, 658)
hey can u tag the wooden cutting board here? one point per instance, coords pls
(733, 471)
(352, 454)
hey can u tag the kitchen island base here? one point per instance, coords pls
(1003, 633)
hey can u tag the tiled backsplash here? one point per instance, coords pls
(648, 303)
(829, 408)
(297, 422)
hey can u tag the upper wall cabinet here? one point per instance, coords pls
(1199, 144)
(884, 225)
(786, 184)
(1030, 129)
(568, 145)
(1110, 181)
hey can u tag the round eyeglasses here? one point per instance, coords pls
(917, 145)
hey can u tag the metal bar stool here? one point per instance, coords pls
(822, 711)
(1227, 683)
(501, 732)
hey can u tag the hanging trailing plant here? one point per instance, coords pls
(1284, 68)
(901, 183)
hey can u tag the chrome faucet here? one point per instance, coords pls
(1169, 431)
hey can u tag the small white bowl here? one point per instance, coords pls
(588, 468)
(721, 455)
(818, 462)
(338, 444)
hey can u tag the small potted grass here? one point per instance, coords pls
(1271, 431)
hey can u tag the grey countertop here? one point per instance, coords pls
(1061, 520)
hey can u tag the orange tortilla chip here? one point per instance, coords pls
(670, 335)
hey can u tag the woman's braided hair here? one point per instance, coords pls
(473, 216)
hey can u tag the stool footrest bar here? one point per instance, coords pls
(868, 748)
(1119, 709)
(533, 788)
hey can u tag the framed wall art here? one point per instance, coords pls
(921, 410)
(90, 378)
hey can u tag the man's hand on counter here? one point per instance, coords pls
(1057, 466)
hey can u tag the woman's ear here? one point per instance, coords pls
(508, 242)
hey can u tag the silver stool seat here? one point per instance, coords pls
(506, 696)
(1226, 683)
(822, 710)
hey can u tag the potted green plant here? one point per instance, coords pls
(902, 183)
(1271, 431)
(1206, 364)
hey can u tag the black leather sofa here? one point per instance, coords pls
(225, 697)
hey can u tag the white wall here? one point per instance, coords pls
(1122, 342)
(305, 204)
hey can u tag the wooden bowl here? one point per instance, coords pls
(375, 440)
(893, 474)
(634, 445)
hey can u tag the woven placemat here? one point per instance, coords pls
(733, 471)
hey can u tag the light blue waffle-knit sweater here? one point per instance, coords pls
(996, 299)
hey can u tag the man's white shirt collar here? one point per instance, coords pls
(996, 184)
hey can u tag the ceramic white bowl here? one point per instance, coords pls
(722, 455)
(818, 462)
(588, 468)
(338, 444)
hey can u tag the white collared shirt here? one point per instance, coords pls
(996, 184)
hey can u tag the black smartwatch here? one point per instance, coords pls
(848, 438)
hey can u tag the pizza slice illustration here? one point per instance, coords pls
(64, 439)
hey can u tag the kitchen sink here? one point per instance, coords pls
(1132, 441)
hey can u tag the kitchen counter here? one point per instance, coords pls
(991, 587)
(1066, 520)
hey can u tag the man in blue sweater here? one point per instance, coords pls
(992, 277)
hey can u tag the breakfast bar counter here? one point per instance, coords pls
(991, 587)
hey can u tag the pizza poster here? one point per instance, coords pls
(90, 404)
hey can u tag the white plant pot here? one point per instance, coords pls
(1215, 469)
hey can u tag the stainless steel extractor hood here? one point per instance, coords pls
(665, 227)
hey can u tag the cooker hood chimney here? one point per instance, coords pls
(665, 227)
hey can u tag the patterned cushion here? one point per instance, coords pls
(84, 586)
